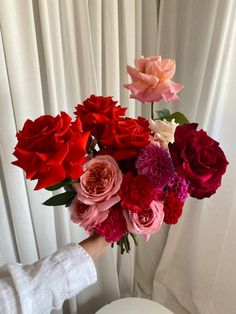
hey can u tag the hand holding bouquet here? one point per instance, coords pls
(122, 176)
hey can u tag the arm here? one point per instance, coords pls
(95, 246)
(44, 285)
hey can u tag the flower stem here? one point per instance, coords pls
(127, 236)
(126, 243)
(134, 238)
(152, 110)
(121, 244)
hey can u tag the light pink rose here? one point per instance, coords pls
(151, 80)
(90, 215)
(147, 221)
(101, 180)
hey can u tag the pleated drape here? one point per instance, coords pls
(192, 263)
(53, 55)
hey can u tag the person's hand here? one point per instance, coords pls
(95, 245)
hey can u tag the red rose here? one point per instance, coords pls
(125, 137)
(199, 159)
(114, 227)
(136, 192)
(96, 112)
(51, 149)
(173, 207)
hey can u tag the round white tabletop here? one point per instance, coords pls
(134, 306)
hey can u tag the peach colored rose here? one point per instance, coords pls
(163, 132)
(101, 180)
(151, 80)
(90, 215)
(147, 221)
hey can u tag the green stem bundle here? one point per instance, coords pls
(124, 242)
(152, 110)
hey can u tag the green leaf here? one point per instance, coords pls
(163, 114)
(179, 118)
(57, 186)
(60, 199)
(69, 202)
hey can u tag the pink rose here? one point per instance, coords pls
(147, 221)
(90, 215)
(151, 80)
(100, 181)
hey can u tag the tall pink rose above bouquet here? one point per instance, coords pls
(123, 177)
(151, 80)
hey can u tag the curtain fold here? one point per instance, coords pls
(55, 54)
(195, 272)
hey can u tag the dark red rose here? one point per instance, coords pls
(125, 137)
(114, 227)
(199, 159)
(173, 207)
(51, 149)
(136, 192)
(96, 112)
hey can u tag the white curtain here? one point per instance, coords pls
(53, 55)
(192, 265)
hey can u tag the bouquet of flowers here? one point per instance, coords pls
(123, 177)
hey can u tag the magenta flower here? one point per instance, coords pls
(151, 80)
(155, 164)
(179, 186)
(114, 227)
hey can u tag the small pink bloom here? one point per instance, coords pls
(151, 80)
(90, 215)
(101, 180)
(147, 221)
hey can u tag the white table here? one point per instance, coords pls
(134, 306)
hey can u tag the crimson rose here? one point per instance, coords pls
(51, 149)
(98, 111)
(125, 137)
(199, 159)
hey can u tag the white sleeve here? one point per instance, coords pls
(46, 284)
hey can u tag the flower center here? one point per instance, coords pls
(145, 217)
